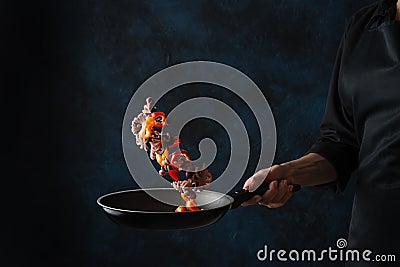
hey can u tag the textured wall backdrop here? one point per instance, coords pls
(79, 62)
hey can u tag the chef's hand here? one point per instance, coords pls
(279, 191)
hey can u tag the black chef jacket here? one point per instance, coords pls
(360, 129)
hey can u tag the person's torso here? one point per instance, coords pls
(369, 85)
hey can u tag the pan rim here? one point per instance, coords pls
(231, 200)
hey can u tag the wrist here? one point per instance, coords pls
(287, 170)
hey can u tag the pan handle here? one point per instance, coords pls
(243, 195)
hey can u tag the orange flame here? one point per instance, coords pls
(191, 205)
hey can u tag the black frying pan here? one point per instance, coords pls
(138, 209)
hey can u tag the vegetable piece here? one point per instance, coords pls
(159, 119)
(174, 175)
(161, 157)
(177, 142)
(155, 119)
(176, 158)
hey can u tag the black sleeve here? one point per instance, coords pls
(337, 141)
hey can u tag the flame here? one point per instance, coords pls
(191, 204)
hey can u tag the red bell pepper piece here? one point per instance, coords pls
(174, 175)
(177, 142)
(159, 118)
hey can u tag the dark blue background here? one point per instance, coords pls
(74, 67)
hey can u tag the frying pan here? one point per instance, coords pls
(138, 209)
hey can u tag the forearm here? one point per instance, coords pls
(311, 169)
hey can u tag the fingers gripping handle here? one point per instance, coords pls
(243, 195)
